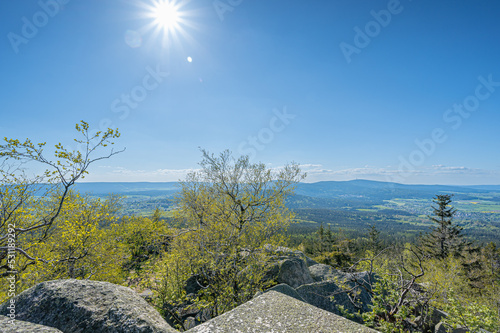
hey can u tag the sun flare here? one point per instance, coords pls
(166, 15)
(166, 20)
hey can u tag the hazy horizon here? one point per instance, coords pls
(304, 182)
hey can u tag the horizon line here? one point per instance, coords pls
(321, 181)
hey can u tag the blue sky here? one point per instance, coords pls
(405, 91)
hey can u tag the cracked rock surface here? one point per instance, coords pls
(20, 326)
(274, 312)
(81, 306)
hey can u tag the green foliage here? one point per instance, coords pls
(346, 314)
(27, 215)
(75, 246)
(230, 210)
(224, 282)
(144, 238)
(446, 238)
(473, 308)
(387, 293)
(329, 248)
(68, 165)
(491, 263)
(393, 275)
(374, 241)
(470, 314)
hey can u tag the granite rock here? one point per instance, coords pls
(19, 326)
(81, 306)
(274, 312)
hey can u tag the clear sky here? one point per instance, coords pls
(405, 91)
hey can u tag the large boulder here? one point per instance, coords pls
(327, 295)
(436, 316)
(358, 278)
(289, 267)
(278, 313)
(284, 252)
(80, 306)
(19, 326)
(322, 272)
(287, 290)
(293, 272)
(440, 328)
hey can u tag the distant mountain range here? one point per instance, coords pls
(125, 188)
(352, 206)
(325, 190)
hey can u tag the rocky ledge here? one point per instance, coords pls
(77, 306)
(81, 306)
(278, 313)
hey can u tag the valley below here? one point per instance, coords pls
(398, 210)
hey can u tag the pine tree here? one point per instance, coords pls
(446, 238)
(156, 215)
(329, 239)
(374, 242)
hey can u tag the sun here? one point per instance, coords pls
(166, 20)
(166, 15)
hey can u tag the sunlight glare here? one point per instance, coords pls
(167, 20)
(166, 15)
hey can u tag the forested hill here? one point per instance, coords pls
(353, 206)
(128, 188)
(367, 189)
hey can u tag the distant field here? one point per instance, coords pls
(480, 206)
(401, 214)
(480, 217)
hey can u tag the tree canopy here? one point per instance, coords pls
(228, 211)
(26, 214)
(446, 238)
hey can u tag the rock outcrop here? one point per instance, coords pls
(19, 326)
(440, 328)
(308, 298)
(325, 295)
(317, 284)
(293, 272)
(81, 306)
(290, 267)
(285, 253)
(322, 272)
(287, 290)
(278, 313)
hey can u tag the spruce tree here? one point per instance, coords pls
(374, 242)
(320, 243)
(446, 238)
